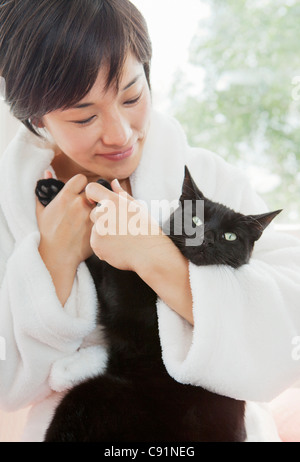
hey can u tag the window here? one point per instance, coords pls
(232, 78)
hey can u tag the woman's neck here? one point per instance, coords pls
(65, 169)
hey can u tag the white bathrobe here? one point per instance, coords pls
(245, 319)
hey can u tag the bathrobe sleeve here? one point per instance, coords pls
(246, 320)
(38, 336)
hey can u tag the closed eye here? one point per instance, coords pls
(84, 122)
(133, 101)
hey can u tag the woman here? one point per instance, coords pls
(86, 92)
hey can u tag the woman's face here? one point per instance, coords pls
(104, 133)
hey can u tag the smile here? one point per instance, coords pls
(117, 156)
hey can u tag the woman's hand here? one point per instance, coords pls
(65, 229)
(124, 234)
(65, 226)
(128, 238)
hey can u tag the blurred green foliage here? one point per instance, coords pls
(241, 94)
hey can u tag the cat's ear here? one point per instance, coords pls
(189, 190)
(260, 222)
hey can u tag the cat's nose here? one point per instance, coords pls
(209, 237)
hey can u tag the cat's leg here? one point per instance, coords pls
(47, 189)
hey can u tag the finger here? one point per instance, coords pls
(103, 207)
(47, 175)
(39, 207)
(95, 213)
(96, 192)
(76, 184)
(89, 204)
(117, 188)
(94, 241)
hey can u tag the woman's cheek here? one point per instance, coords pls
(142, 116)
(76, 144)
(148, 107)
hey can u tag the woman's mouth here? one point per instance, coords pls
(118, 155)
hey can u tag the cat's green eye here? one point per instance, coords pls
(230, 237)
(197, 221)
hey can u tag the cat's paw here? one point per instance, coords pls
(104, 183)
(81, 365)
(46, 190)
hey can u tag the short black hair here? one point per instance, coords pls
(51, 50)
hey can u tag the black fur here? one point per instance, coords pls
(135, 400)
(218, 221)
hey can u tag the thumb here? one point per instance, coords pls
(117, 188)
(39, 208)
(47, 174)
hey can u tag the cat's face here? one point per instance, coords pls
(222, 236)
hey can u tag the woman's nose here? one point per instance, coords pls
(116, 131)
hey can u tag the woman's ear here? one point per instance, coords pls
(38, 122)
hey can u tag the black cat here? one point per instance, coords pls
(135, 400)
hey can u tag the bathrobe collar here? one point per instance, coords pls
(21, 166)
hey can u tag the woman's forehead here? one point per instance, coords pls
(131, 72)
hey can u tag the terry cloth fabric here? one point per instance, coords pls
(245, 319)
